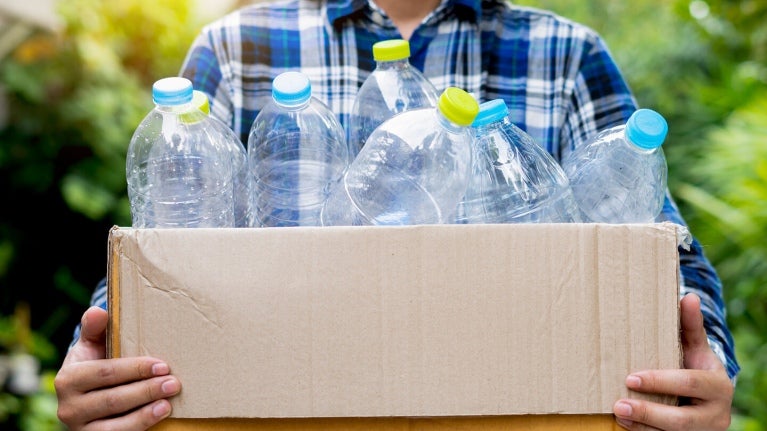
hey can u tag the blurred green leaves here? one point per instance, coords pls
(145, 39)
(78, 96)
(30, 399)
(729, 197)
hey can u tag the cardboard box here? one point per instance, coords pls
(415, 327)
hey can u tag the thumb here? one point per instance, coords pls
(697, 353)
(94, 325)
(93, 336)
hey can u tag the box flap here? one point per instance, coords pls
(449, 320)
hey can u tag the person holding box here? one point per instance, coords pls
(561, 86)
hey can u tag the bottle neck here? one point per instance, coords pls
(187, 114)
(393, 64)
(493, 126)
(501, 123)
(174, 108)
(293, 107)
(636, 148)
(447, 124)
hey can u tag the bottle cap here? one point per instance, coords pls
(199, 105)
(646, 129)
(490, 112)
(391, 50)
(291, 88)
(458, 106)
(172, 91)
(200, 101)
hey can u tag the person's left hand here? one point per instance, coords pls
(704, 382)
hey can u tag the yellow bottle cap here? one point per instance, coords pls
(200, 101)
(391, 50)
(199, 104)
(458, 106)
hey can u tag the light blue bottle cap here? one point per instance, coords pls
(490, 112)
(172, 91)
(291, 88)
(646, 129)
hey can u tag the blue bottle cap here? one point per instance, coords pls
(490, 112)
(291, 89)
(172, 91)
(646, 129)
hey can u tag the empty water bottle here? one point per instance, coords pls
(179, 171)
(243, 181)
(296, 149)
(619, 175)
(392, 87)
(413, 168)
(513, 179)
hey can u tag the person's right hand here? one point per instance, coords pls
(96, 393)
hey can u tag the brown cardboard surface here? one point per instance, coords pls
(398, 322)
(505, 423)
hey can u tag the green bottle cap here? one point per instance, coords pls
(200, 101)
(199, 104)
(391, 50)
(458, 106)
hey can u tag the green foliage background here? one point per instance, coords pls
(74, 99)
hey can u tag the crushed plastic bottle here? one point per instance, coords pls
(513, 179)
(413, 168)
(620, 175)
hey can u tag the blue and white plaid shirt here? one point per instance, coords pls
(557, 77)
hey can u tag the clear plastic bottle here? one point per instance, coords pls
(413, 168)
(243, 181)
(296, 150)
(619, 175)
(392, 87)
(513, 179)
(179, 171)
